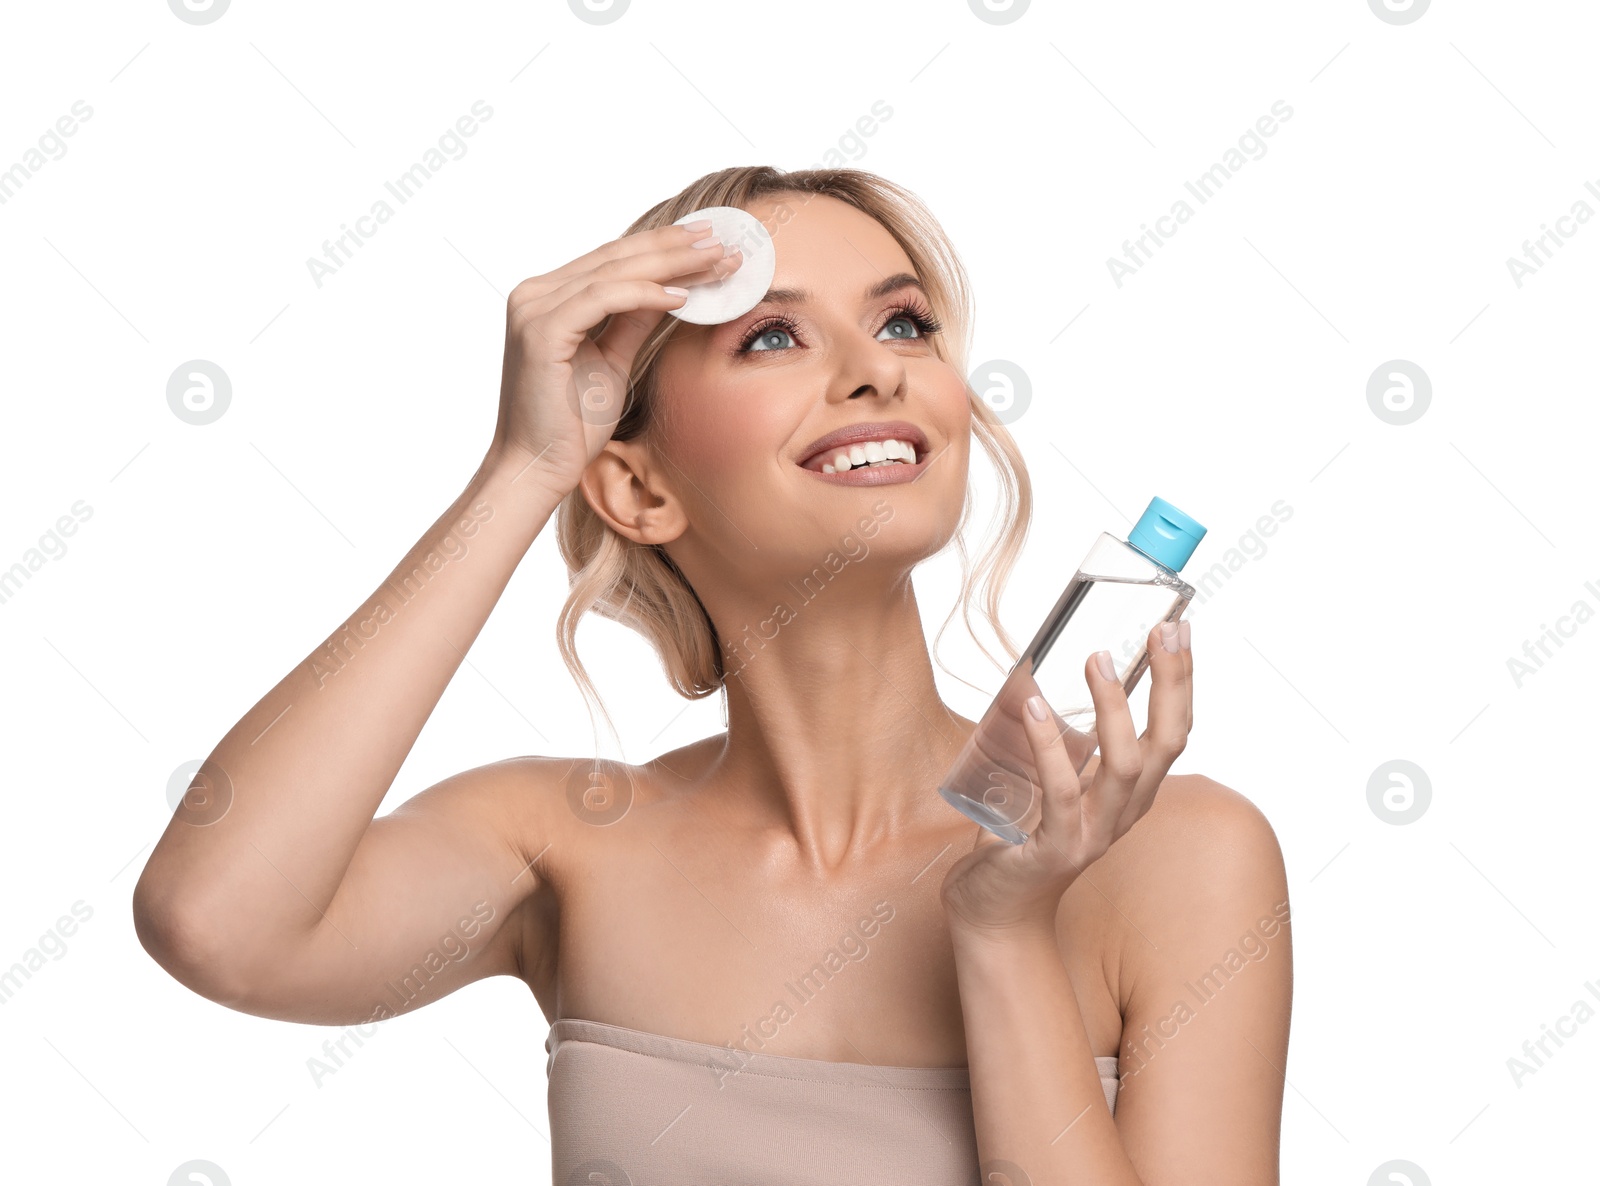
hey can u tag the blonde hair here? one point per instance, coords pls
(639, 585)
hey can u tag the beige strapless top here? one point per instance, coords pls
(630, 1108)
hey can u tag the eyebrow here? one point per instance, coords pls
(799, 296)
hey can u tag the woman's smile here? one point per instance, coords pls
(871, 453)
(889, 474)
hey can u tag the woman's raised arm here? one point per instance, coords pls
(273, 889)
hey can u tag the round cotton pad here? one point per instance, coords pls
(741, 290)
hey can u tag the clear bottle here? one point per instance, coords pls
(1119, 593)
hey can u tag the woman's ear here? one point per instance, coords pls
(623, 486)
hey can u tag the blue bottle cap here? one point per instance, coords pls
(1166, 534)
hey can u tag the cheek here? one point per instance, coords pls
(950, 390)
(952, 407)
(725, 437)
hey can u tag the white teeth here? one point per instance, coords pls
(872, 453)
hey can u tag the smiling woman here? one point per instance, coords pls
(818, 212)
(652, 910)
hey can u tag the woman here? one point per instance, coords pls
(774, 954)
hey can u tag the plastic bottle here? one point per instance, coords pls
(1121, 590)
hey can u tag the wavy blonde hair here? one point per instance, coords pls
(639, 585)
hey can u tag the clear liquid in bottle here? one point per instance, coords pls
(1121, 590)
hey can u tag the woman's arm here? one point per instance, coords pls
(1037, 1103)
(1200, 1110)
(273, 875)
(1206, 1000)
(1206, 985)
(273, 889)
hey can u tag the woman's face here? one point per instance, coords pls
(740, 406)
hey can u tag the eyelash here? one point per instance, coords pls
(913, 311)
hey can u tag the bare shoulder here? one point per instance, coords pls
(574, 820)
(1202, 863)
(527, 779)
(1203, 967)
(499, 808)
(568, 803)
(556, 809)
(1198, 819)
(1194, 822)
(542, 804)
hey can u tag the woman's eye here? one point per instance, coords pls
(763, 340)
(779, 337)
(903, 333)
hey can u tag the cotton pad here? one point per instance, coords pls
(741, 290)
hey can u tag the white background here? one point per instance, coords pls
(1228, 373)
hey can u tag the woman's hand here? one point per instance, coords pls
(561, 392)
(1000, 888)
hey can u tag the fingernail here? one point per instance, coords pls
(1183, 635)
(699, 224)
(1169, 637)
(679, 292)
(709, 241)
(1104, 659)
(1036, 707)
